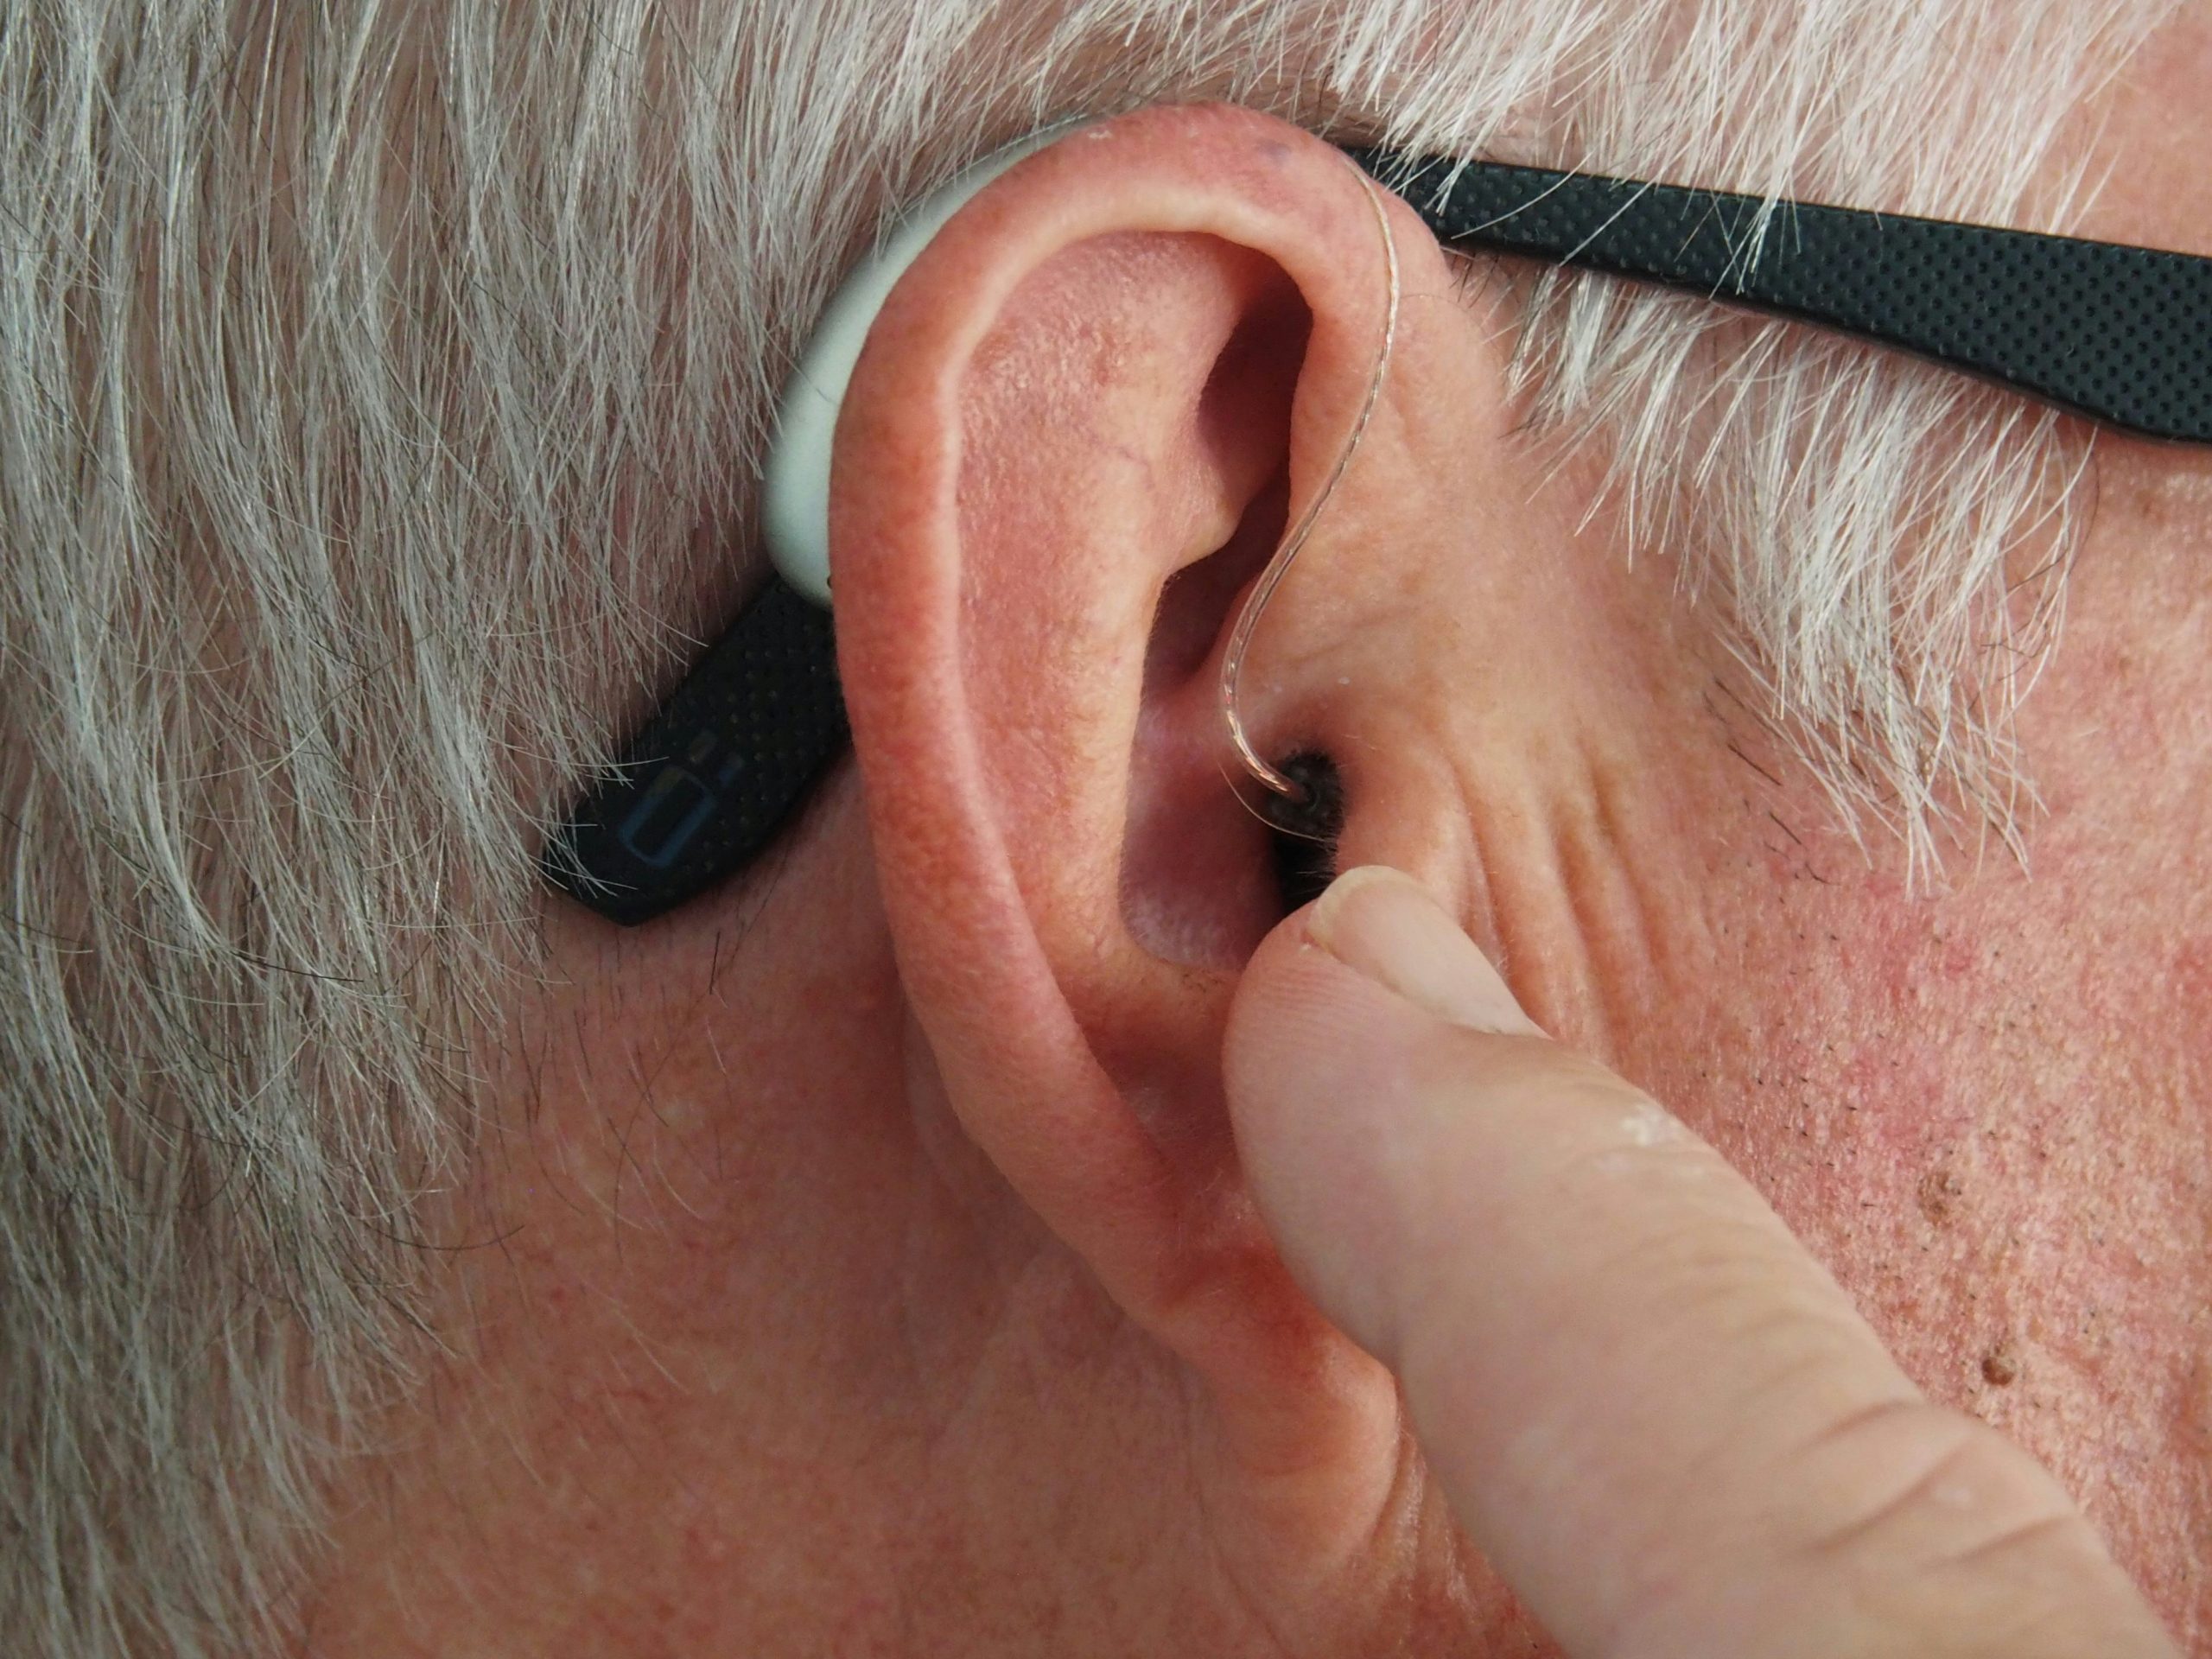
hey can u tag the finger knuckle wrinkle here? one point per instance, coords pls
(1930, 1490)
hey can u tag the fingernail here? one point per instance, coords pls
(1383, 923)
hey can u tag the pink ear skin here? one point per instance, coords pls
(1062, 458)
(1073, 439)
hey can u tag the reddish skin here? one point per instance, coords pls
(843, 1308)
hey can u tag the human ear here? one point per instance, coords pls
(1070, 444)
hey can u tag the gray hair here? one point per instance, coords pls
(382, 393)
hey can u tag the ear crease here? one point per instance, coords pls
(1255, 376)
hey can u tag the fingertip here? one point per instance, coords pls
(1320, 1071)
(1382, 923)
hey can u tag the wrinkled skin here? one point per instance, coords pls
(848, 1302)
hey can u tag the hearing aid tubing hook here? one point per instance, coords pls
(796, 481)
(1293, 542)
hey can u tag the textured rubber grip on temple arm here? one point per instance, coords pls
(2122, 334)
(717, 773)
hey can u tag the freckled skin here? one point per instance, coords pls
(773, 1357)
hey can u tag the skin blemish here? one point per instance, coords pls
(2001, 1366)
(1939, 1194)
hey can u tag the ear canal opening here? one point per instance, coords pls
(1302, 849)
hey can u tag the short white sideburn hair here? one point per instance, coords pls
(382, 380)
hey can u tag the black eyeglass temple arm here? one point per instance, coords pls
(2123, 335)
(2120, 334)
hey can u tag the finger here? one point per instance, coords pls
(1659, 1418)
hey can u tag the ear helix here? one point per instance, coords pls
(795, 503)
(1304, 803)
(795, 482)
(708, 781)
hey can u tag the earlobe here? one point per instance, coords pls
(1069, 443)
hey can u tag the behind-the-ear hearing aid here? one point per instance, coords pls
(714, 773)
(795, 483)
(2121, 335)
